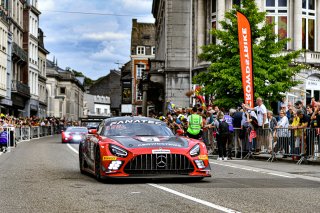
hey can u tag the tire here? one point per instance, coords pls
(81, 160)
(97, 165)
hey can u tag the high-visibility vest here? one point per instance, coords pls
(194, 124)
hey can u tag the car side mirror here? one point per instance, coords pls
(92, 131)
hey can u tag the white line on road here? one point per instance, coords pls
(206, 203)
(73, 149)
(252, 169)
(267, 171)
(203, 202)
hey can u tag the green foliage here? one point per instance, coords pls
(87, 81)
(273, 72)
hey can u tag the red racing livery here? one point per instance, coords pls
(141, 147)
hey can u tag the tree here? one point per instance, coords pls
(273, 72)
(87, 81)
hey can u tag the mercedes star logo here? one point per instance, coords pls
(161, 161)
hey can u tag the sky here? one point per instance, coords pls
(91, 44)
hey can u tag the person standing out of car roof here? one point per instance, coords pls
(194, 124)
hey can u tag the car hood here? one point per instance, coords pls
(151, 141)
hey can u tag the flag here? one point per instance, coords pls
(245, 46)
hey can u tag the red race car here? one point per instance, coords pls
(74, 134)
(141, 147)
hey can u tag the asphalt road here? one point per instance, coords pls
(43, 176)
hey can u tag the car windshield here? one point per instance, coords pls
(137, 129)
(82, 130)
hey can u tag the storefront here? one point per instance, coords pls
(312, 88)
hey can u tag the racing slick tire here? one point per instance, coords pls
(81, 160)
(97, 165)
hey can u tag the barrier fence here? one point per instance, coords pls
(10, 136)
(299, 144)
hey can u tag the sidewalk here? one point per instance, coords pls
(265, 157)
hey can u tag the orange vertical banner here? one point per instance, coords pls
(246, 61)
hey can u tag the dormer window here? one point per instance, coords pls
(141, 50)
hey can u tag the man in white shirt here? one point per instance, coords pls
(263, 123)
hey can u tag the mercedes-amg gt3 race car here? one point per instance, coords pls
(141, 147)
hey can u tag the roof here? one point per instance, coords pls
(129, 118)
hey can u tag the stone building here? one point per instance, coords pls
(142, 49)
(65, 93)
(178, 44)
(173, 48)
(97, 105)
(109, 85)
(30, 44)
(18, 77)
(5, 51)
(42, 113)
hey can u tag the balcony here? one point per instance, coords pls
(19, 53)
(309, 58)
(20, 88)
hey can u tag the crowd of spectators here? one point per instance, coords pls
(258, 129)
(12, 121)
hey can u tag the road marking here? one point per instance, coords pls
(252, 169)
(73, 149)
(203, 202)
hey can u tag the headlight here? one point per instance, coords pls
(195, 151)
(118, 151)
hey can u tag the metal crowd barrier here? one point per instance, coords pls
(298, 144)
(10, 136)
(35, 132)
(25, 133)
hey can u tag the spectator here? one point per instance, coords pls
(229, 120)
(262, 136)
(299, 106)
(222, 138)
(238, 130)
(309, 109)
(282, 133)
(194, 124)
(272, 120)
(304, 123)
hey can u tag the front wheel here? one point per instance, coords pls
(81, 160)
(98, 165)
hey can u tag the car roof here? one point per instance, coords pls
(124, 118)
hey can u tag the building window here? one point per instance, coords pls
(270, 3)
(277, 13)
(139, 94)
(105, 111)
(141, 50)
(62, 90)
(98, 111)
(237, 2)
(140, 69)
(153, 50)
(308, 25)
(213, 19)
